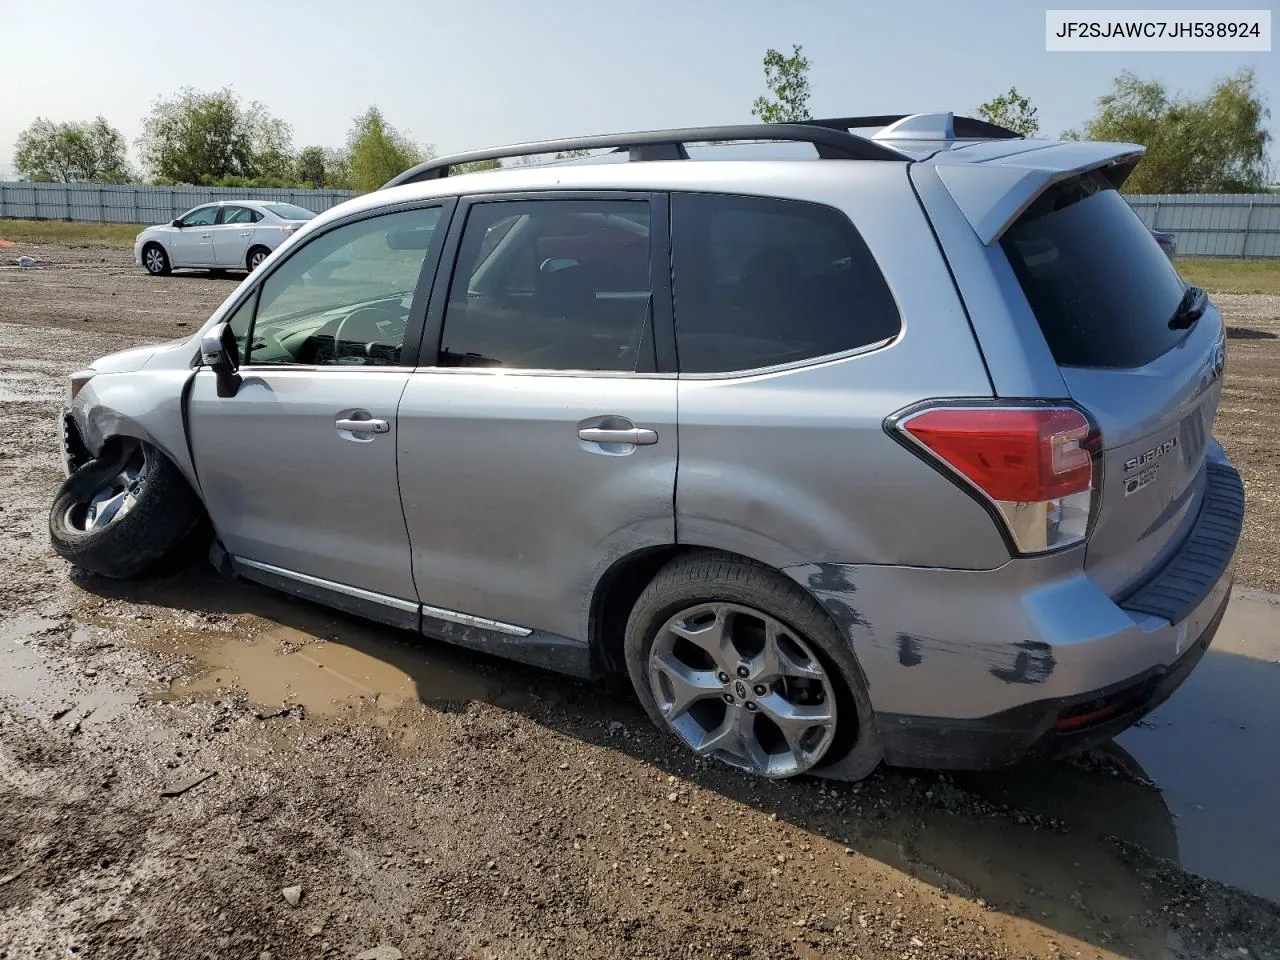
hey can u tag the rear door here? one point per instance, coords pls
(537, 444)
(1105, 296)
(233, 234)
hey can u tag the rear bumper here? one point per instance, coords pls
(1041, 730)
(982, 669)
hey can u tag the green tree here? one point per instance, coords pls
(378, 151)
(1217, 144)
(310, 167)
(788, 81)
(91, 152)
(337, 169)
(202, 138)
(477, 166)
(1012, 111)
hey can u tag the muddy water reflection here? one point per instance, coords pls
(1214, 750)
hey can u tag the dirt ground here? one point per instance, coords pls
(191, 767)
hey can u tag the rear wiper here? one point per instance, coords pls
(1190, 309)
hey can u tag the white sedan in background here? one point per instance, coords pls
(227, 235)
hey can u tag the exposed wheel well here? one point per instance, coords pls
(615, 595)
(248, 257)
(619, 589)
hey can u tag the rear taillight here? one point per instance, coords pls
(1032, 463)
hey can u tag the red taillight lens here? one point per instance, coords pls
(1033, 463)
(1021, 455)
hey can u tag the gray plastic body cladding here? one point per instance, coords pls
(966, 644)
(794, 466)
(1013, 347)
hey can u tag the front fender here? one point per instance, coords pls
(144, 405)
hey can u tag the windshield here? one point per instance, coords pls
(289, 211)
(1100, 286)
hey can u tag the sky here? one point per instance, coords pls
(461, 76)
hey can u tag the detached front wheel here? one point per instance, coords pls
(118, 515)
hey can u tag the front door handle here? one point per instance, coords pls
(640, 436)
(362, 426)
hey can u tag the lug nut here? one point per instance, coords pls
(743, 671)
(761, 689)
(728, 698)
(722, 677)
(751, 706)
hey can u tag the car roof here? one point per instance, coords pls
(992, 173)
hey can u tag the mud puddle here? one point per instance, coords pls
(288, 653)
(42, 682)
(1214, 751)
(1196, 783)
(286, 666)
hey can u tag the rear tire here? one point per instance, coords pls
(118, 515)
(811, 673)
(155, 260)
(256, 255)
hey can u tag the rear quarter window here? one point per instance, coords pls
(759, 282)
(1100, 287)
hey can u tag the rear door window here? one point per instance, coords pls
(1101, 288)
(759, 282)
(552, 285)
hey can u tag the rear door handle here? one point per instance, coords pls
(363, 426)
(640, 436)
(246, 236)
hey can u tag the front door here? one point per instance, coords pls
(298, 469)
(232, 236)
(538, 443)
(192, 244)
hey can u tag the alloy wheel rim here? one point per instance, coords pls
(114, 498)
(741, 686)
(155, 260)
(256, 260)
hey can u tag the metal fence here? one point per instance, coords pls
(1206, 225)
(138, 203)
(1215, 225)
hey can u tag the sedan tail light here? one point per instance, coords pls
(1033, 464)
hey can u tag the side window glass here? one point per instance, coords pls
(759, 282)
(204, 217)
(232, 215)
(551, 285)
(344, 298)
(240, 322)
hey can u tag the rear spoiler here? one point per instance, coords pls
(993, 184)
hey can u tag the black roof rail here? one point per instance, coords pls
(965, 127)
(831, 144)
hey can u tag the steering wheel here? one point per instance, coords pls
(363, 329)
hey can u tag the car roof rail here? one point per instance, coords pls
(831, 142)
(922, 126)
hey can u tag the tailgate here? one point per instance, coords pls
(1111, 308)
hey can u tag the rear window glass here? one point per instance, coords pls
(289, 211)
(759, 282)
(1100, 286)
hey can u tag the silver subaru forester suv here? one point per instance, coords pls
(858, 440)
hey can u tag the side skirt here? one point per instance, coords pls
(536, 648)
